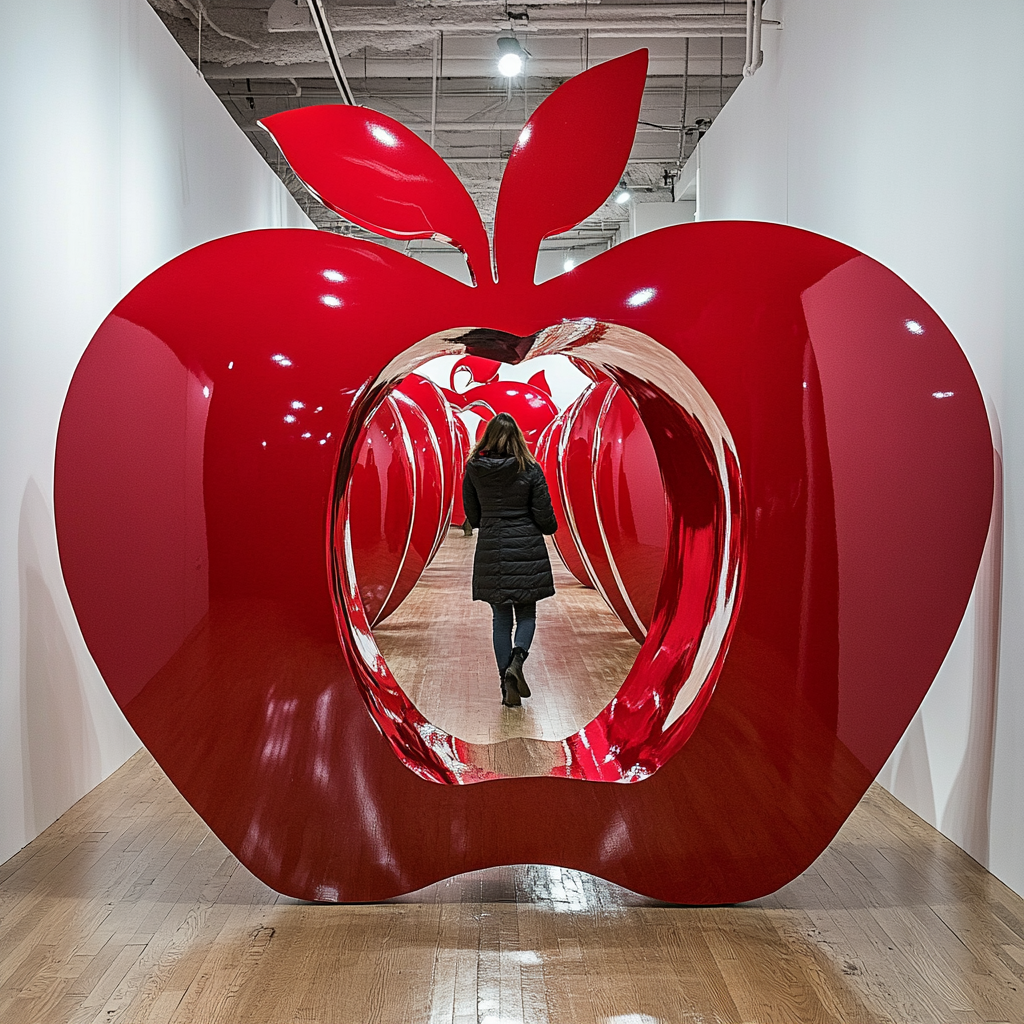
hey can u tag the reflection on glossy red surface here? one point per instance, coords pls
(613, 502)
(380, 488)
(205, 447)
(529, 403)
(533, 410)
(548, 456)
(402, 492)
(462, 447)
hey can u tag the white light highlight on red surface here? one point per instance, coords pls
(640, 298)
(381, 134)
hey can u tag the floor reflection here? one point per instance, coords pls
(129, 909)
(438, 645)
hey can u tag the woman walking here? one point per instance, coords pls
(505, 494)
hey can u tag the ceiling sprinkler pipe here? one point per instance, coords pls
(323, 30)
(727, 25)
(755, 58)
(747, 61)
(756, 54)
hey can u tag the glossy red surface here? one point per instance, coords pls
(565, 539)
(613, 502)
(533, 409)
(530, 404)
(462, 454)
(402, 492)
(827, 460)
(380, 487)
(352, 159)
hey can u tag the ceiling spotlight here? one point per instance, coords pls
(510, 56)
(623, 195)
(568, 264)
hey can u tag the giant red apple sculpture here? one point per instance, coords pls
(825, 454)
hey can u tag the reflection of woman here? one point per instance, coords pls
(505, 494)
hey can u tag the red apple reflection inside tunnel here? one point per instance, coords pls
(195, 508)
(698, 537)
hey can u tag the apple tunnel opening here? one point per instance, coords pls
(647, 560)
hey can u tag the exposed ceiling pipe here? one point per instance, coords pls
(433, 88)
(750, 38)
(323, 29)
(451, 159)
(754, 57)
(720, 25)
(682, 113)
(429, 128)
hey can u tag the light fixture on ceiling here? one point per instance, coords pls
(623, 195)
(568, 264)
(511, 56)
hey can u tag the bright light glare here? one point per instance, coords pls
(913, 326)
(524, 135)
(330, 300)
(942, 394)
(381, 134)
(640, 298)
(568, 265)
(281, 360)
(622, 197)
(298, 405)
(510, 65)
(333, 275)
(289, 418)
(206, 392)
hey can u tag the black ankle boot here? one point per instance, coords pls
(510, 695)
(515, 681)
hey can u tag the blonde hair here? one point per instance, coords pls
(503, 437)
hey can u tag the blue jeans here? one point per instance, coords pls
(526, 623)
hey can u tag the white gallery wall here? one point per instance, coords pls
(898, 127)
(118, 158)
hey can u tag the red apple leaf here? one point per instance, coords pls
(481, 370)
(374, 171)
(569, 158)
(540, 382)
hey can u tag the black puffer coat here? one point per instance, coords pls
(512, 508)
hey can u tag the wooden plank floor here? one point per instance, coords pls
(438, 646)
(128, 909)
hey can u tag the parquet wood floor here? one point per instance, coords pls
(128, 909)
